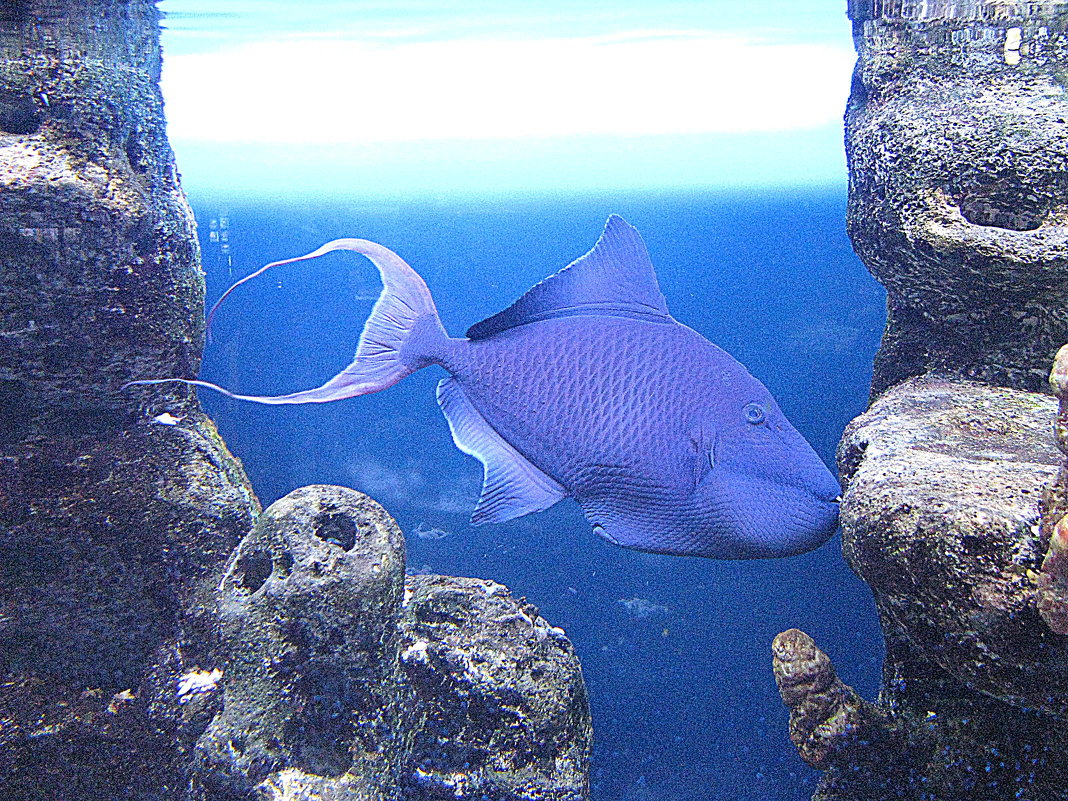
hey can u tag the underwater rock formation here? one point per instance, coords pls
(341, 682)
(940, 518)
(309, 652)
(498, 695)
(928, 738)
(112, 524)
(1052, 579)
(956, 138)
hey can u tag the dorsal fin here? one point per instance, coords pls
(616, 278)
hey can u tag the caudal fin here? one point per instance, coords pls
(404, 307)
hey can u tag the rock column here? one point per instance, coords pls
(117, 509)
(957, 140)
(957, 143)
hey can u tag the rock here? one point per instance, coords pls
(829, 721)
(498, 694)
(1052, 579)
(927, 738)
(956, 137)
(113, 527)
(341, 683)
(940, 518)
(308, 614)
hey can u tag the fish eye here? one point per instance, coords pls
(754, 413)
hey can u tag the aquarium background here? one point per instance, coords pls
(745, 225)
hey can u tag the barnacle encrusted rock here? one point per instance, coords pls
(341, 682)
(501, 704)
(957, 137)
(940, 518)
(112, 525)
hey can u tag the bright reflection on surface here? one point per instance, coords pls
(327, 91)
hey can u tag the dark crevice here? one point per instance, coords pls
(19, 113)
(336, 529)
(1002, 204)
(135, 154)
(255, 569)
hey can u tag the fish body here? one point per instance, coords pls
(643, 423)
(587, 388)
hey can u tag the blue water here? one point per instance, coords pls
(684, 704)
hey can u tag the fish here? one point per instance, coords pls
(587, 388)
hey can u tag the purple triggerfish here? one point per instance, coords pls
(587, 388)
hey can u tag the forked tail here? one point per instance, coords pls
(398, 338)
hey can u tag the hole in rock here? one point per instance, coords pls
(255, 569)
(1004, 205)
(135, 154)
(336, 529)
(19, 114)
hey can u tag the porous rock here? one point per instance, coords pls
(498, 694)
(341, 682)
(112, 524)
(928, 737)
(828, 719)
(308, 615)
(957, 140)
(940, 518)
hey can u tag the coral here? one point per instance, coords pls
(342, 682)
(828, 720)
(1052, 581)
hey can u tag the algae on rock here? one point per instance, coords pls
(344, 680)
(110, 524)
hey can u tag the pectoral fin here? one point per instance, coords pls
(511, 485)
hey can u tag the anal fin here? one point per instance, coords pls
(511, 485)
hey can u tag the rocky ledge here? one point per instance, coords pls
(940, 517)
